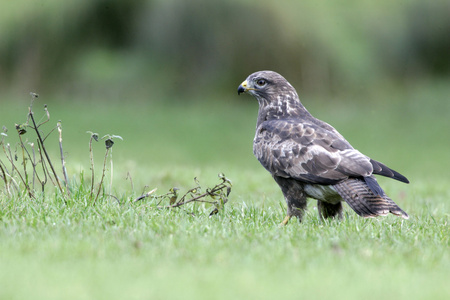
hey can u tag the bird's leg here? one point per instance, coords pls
(295, 198)
(329, 210)
(296, 208)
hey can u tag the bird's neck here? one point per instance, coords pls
(282, 108)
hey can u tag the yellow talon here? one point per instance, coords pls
(286, 220)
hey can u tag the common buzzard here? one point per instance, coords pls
(309, 158)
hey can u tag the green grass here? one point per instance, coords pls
(49, 250)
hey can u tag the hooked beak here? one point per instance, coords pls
(243, 87)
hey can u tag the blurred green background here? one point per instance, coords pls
(163, 75)
(170, 48)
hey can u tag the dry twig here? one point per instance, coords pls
(217, 195)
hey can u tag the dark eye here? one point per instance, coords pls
(261, 82)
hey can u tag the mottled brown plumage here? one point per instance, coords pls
(309, 158)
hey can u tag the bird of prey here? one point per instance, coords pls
(309, 158)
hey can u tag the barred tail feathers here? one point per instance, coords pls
(364, 202)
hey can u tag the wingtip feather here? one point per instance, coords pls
(383, 170)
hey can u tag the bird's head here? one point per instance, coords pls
(276, 97)
(264, 84)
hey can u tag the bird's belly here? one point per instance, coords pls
(324, 193)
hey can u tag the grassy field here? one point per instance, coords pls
(50, 250)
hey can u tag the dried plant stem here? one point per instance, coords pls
(33, 163)
(9, 157)
(44, 168)
(145, 195)
(198, 198)
(103, 176)
(4, 178)
(112, 171)
(63, 162)
(41, 142)
(13, 167)
(32, 160)
(24, 160)
(219, 195)
(91, 154)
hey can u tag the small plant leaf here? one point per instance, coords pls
(21, 128)
(109, 143)
(116, 137)
(93, 135)
(215, 211)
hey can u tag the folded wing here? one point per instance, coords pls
(308, 152)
